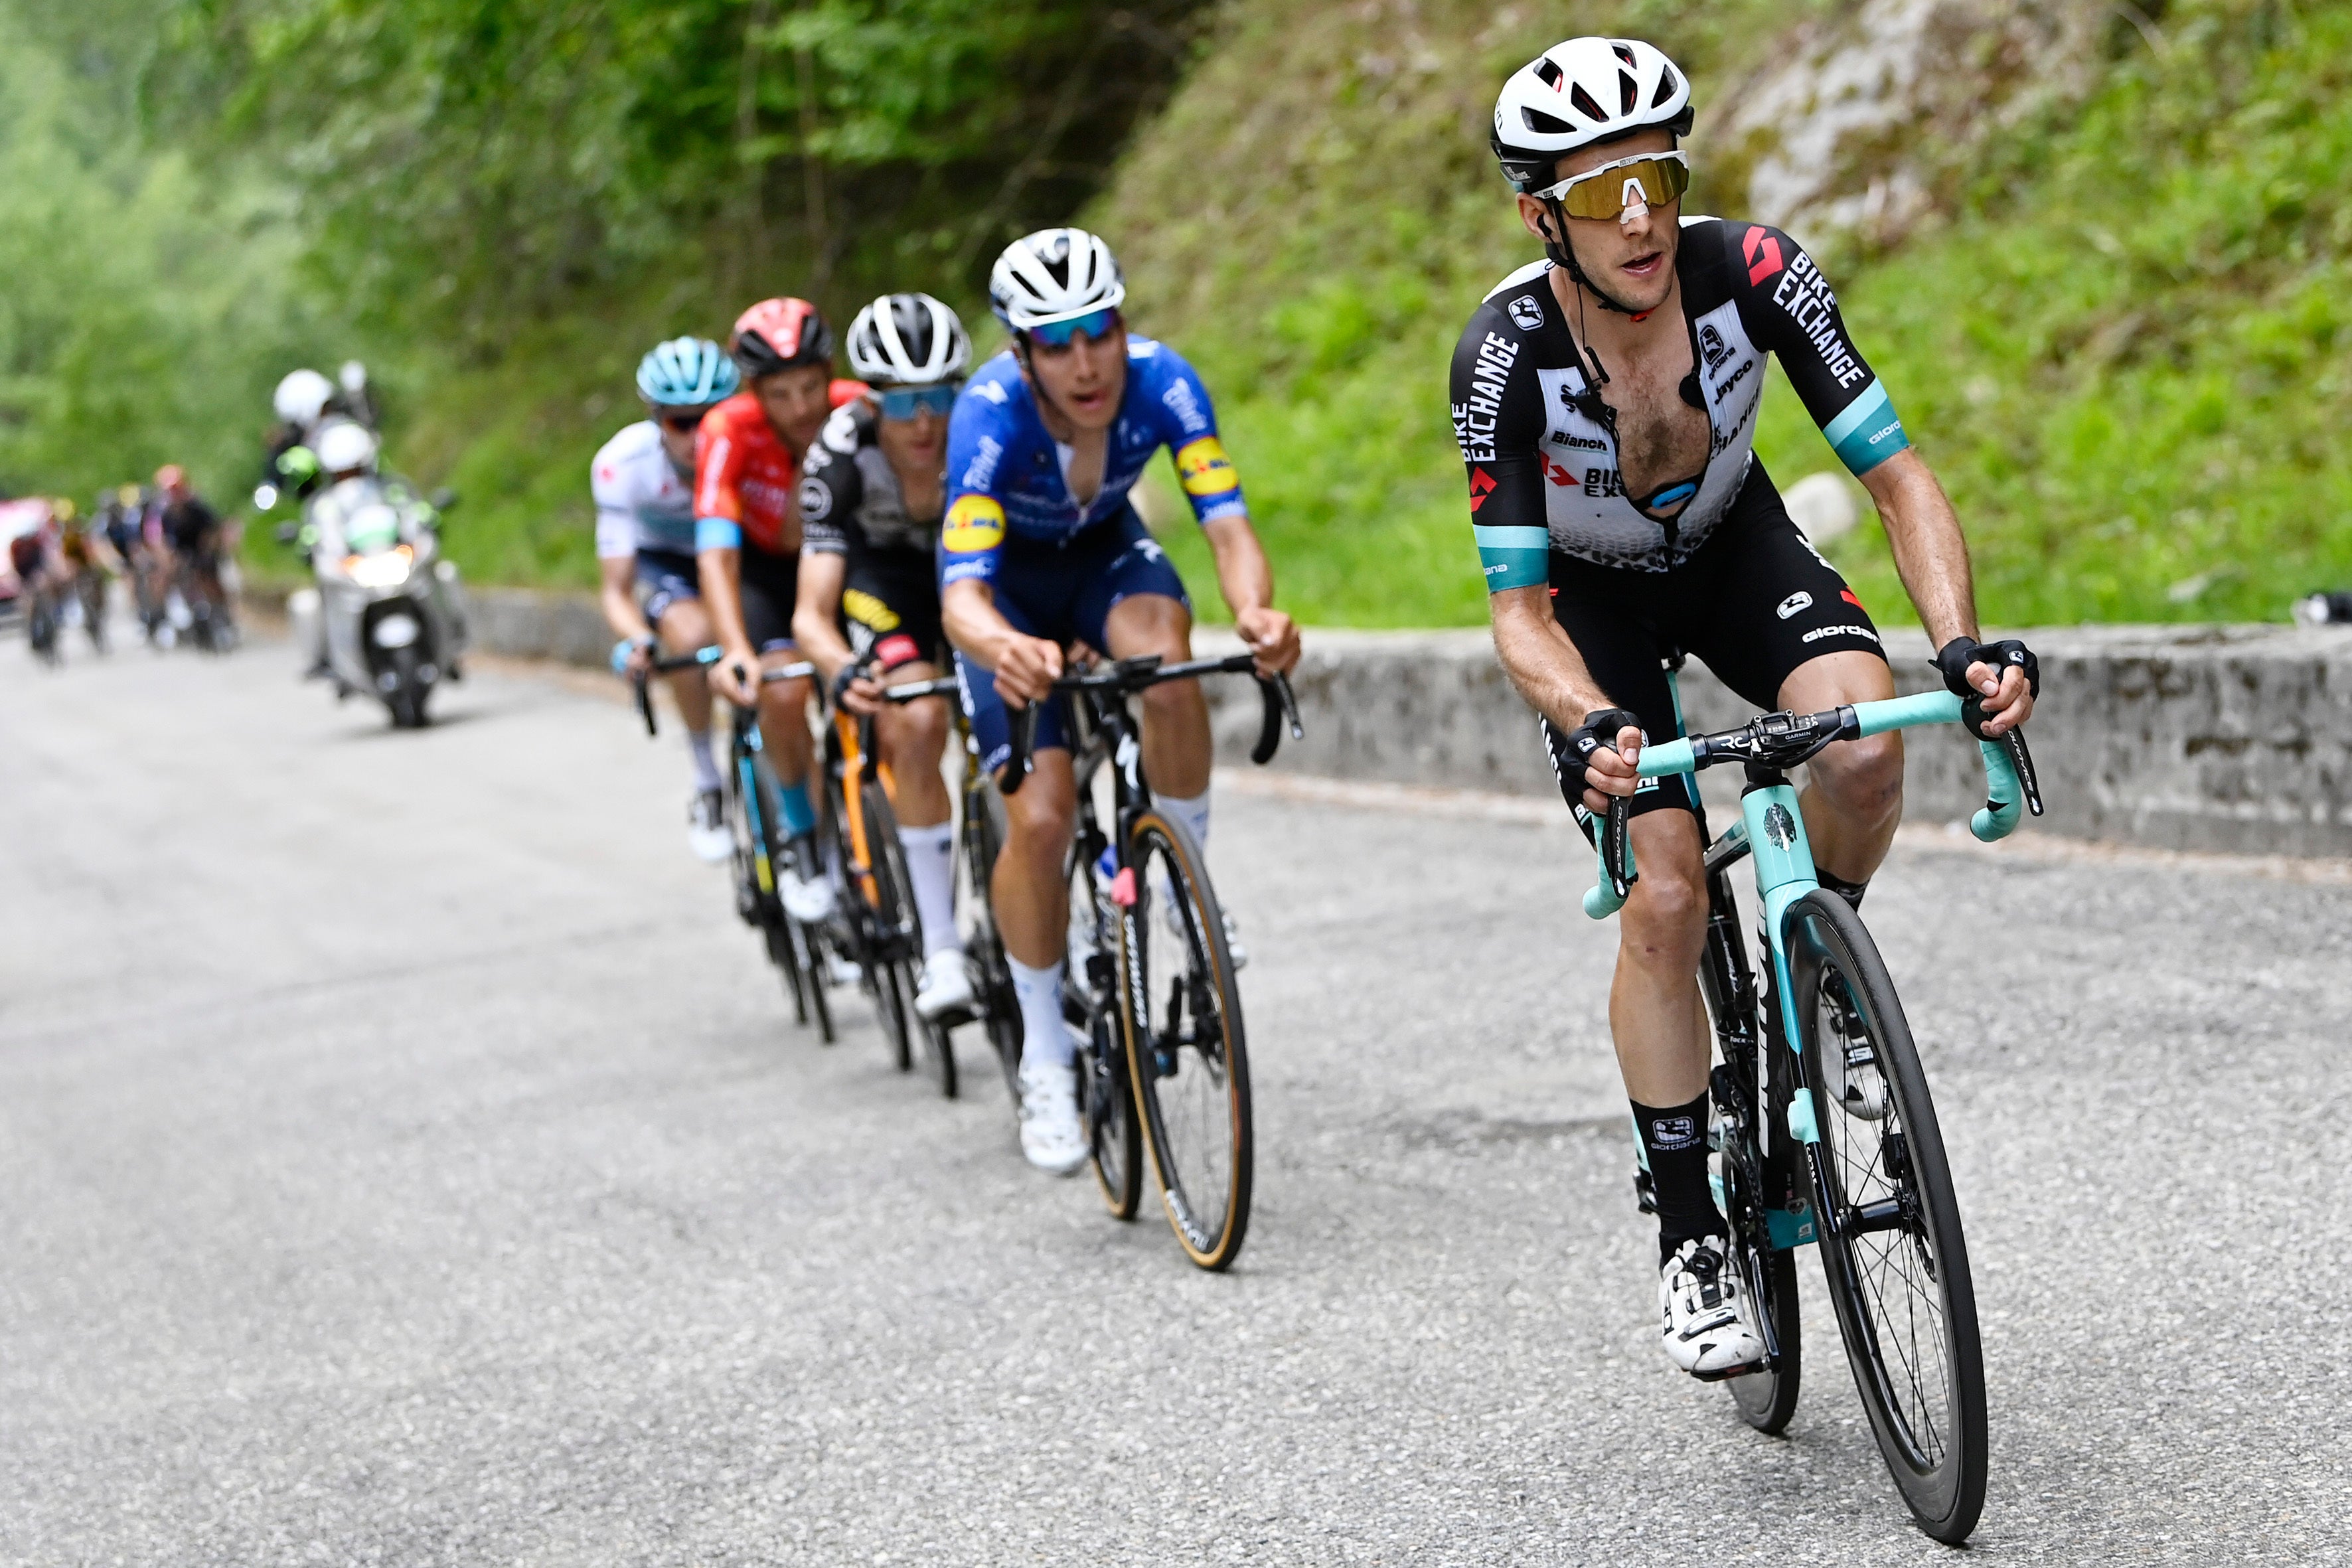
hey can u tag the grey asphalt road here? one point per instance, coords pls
(405, 1159)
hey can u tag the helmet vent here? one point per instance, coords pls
(1543, 124)
(1624, 52)
(1629, 93)
(1666, 86)
(1549, 73)
(1585, 105)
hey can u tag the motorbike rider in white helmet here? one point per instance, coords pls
(872, 489)
(1605, 401)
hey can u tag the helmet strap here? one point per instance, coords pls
(1563, 254)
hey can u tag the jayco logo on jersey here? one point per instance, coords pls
(1800, 600)
(1526, 314)
(1185, 407)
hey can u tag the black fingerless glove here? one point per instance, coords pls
(844, 677)
(1599, 729)
(1961, 652)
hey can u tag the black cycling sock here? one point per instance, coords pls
(1675, 1140)
(1850, 892)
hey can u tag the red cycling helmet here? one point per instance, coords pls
(778, 335)
(171, 476)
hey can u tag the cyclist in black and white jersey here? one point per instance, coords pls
(1605, 402)
(872, 489)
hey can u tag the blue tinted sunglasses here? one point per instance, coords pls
(908, 402)
(1095, 324)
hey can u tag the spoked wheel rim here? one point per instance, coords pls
(1891, 1249)
(1114, 1139)
(1186, 1046)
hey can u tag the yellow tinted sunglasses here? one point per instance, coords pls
(1654, 178)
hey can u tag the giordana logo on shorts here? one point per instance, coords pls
(1673, 1132)
(1526, 314)
(1800, 600)
(1818, 633)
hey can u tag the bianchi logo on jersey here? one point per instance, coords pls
(1526, 314)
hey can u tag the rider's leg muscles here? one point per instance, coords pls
(1659, 1021)
(1032, 901)
(684, 627)
(785, 735)
(1176, 746)
(1852, 798)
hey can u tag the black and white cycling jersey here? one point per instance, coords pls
(1541, 449)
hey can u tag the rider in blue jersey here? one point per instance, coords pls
(1042, 547)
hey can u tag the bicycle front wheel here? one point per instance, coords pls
(1185, 1050)
(1089, 1000)
(899, 939)
(1890, 1226)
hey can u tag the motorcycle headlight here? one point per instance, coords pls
(388, 568)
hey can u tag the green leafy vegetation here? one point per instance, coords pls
(2119, 334)
(2121, 344)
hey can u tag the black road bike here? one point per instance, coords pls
(797, 951)
(1148, 982)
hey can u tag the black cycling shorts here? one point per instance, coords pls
(1754, 602)
(771, 584)
(890, 606)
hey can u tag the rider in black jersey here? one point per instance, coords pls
(872, 494)
(1605, 402)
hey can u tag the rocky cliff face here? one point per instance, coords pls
(1851, 127)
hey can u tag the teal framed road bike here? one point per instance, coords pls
(1823, 1132)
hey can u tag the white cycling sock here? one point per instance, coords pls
(930, 866)
(698, 753)
(1192, 811)
(1045, 1038)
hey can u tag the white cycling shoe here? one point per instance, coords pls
(946, 985)
(1052, 1136)
(706, 828)
(1707, 1322)
(808, 900)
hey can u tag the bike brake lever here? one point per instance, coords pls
(644, 700)
(1616, 845)
(2019, 754)
(1016, 766)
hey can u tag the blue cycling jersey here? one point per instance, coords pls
(1006, 474)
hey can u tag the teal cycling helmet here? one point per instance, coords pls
(686, 373)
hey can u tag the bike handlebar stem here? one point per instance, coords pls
(1124, 677)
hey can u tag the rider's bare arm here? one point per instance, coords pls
(1931, 555)
(1549, 672)
(1026, 667)
(1246, 579)
(815, 608)
(618, 596)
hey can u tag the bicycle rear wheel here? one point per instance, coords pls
(1090, 1001)
(1890, 1226)
(1185, 1050)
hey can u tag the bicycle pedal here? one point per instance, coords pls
(1727, 1374)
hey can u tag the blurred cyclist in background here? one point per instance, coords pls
(747, 547)
(642, 481)
(873, 491)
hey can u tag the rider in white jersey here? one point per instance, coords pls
(643, 480)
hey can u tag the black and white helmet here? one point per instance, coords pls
(1581, 93)
(1053, 275)
(908, 340)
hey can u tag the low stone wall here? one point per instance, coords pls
(2230, 738)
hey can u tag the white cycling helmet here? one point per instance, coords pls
(1053, 275)
(1580, 93)
(908, 340)
(346, 446)
(302, 396)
